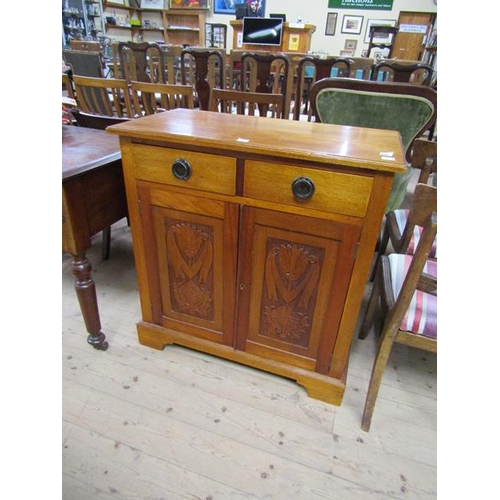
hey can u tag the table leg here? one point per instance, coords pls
(87, 297)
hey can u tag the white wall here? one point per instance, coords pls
(315, 12)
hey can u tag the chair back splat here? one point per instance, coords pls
(204, 69)
(101, 101)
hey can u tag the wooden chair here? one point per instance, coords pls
(246, 103)
(204, 69)
(361, 67)
(172, 57)
(101, 101)
(400, 227)
(233, 67)
(143, 62)
(405, 287)
(93, 46)
(403, 71)
(84, 63)
(151, 98)
(311, 69)
(265, 73)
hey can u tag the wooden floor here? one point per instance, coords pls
(177, 424)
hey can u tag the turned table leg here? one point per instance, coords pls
(86, 293)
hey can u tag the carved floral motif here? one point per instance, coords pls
(190, 256)
(291, 278)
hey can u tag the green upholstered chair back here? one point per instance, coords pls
(407, 108)
(391, 106)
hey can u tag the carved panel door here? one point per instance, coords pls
(294, 275)
(192, 243)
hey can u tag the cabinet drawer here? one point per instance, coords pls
(204, 172)
(334, 192)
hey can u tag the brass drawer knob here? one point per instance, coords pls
(303, 188)
(181, 169)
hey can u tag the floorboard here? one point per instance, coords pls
(139, 423)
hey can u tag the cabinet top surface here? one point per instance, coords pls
(319, 142)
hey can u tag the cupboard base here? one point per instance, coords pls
(318, 386)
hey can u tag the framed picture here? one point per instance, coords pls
(346, 53)
(256, 8)
(352, 24)
(189, 4)
(226, 6)
(386, 38)
(351, 45)
(152, 4)
(331, 22)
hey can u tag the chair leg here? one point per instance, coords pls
(106, 243)
(379, 365)
(369, 319)
(382, 247)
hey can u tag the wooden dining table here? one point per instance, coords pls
(93, 198)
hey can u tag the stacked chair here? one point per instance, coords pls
(405, 289)
(401, 229)
(405, 280)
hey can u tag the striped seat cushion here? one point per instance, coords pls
(401, 217)
(421, 316)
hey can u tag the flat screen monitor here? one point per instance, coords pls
(262, 30)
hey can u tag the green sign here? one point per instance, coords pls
(361, 4)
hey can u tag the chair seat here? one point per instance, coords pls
(401, 218)
(421, 316)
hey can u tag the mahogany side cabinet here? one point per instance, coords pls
(253, 237)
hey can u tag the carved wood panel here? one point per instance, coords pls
(297, 271)
(291, 279)
(196, 255)
(189, 251)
